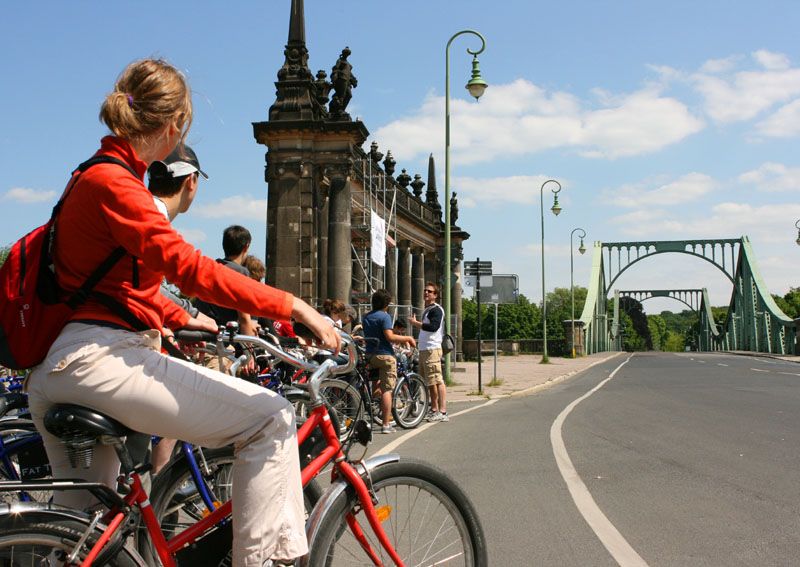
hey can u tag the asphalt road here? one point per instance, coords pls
(687, 459)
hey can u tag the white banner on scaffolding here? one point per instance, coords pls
(378, 229)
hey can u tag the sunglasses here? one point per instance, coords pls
(430, 291)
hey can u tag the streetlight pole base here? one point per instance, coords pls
(545, 360)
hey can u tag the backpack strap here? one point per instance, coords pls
(82, 294)
(96, 160)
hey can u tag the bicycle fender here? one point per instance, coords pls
(40, 512)
(329, 497)
(22, 514)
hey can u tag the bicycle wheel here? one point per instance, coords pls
(47, 543)
(22, 457)
(427, 517)
(410, 401)
(342, 399)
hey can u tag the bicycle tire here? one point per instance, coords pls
(410, 401)
(34, 544)
(419, 500)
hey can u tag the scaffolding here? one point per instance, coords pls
(373, 195)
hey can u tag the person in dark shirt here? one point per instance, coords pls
(380, 354)
(235, 243)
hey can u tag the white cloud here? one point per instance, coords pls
(783, 124)
(685, 189)
(497, 191)
(195, 236)
(642, 123)
(720, 65)
(745, 94)
(763, 223)
(28, 196)
(772, 177)
(771, 60)
(520, 118)
(234, 207)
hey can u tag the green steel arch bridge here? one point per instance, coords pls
(754, 321)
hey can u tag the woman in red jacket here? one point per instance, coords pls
(101, 362)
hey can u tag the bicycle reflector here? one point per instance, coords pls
(383, 512)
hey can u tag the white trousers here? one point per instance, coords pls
(124, 375)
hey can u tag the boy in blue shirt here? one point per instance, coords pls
(380, 354)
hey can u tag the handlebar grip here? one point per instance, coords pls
(195, 336)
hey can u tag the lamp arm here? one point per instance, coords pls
(472, 32)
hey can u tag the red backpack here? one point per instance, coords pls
(33, 308)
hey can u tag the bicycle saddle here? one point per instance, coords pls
(12, 401)
(68, 420)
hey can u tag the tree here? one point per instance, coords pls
(658, 331)
(516, 321)
(790, 303)
(4, 250)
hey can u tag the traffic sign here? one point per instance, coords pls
(477, 268)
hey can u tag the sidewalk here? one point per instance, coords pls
(518, 375)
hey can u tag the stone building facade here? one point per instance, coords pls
(324, 189)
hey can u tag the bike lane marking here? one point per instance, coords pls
(609, 536)
(389, 447)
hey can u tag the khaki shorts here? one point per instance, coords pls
(430, 363)
(386, 364)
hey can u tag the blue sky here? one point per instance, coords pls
(662, 120)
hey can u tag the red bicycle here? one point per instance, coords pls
(380, 511)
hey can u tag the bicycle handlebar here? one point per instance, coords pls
(318, 371)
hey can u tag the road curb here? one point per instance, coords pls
(785, 357)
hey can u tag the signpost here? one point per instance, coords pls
(479, 270)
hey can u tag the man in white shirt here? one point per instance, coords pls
(431, 332)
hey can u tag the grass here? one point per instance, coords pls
(495, 382)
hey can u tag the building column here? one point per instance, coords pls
(403, 277)
(391, 272)
(321, 277)
(417, 280)
(283, 230)
(431, 267)
(340, 266)
(377, 276)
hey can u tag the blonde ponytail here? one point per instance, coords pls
(148, 95)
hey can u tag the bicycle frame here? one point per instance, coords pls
(166, 549)
(343, 472)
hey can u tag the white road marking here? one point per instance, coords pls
(789, 373)
(759, 370)
(389, 447)
(608, 535)
(720, 364)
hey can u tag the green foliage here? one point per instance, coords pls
(515, 321)
(674, 342)
(4, 250)
(523, 320)
(658, 331)
(720, 315)
(790, 303)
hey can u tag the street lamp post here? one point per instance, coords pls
(476, 86)
(582, 249)
(797, 226)
(556, 208)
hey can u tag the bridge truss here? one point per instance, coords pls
(753, 322)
